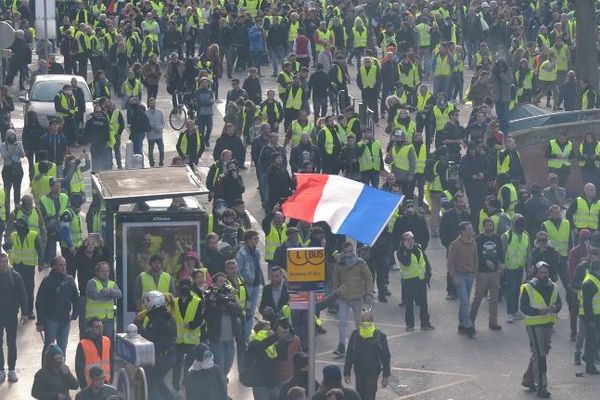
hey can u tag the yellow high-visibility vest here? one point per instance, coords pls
(421, 159)
(564, 152)
(422, 101)
(293, 32)
(298, 130)
(513, 199)
(400, 157)
(536, 301)
(559, 237)
(547, 76)
(23, 252)
(186, 335)
(148, 283)
(416, 268)
(368, 78)
(275, 238)
(370, 158)
(586, 216)
(294, 101)
(360, 38)
(516, 250)
(595, 300)
(442, 66)
(328, 140)
(53, 172)
(100, 309)
(442, 117)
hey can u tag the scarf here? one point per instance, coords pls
(366, 330)
(348, 260)
(207, 363)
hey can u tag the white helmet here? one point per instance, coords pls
(154, 299)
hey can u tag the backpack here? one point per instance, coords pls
(248, 369)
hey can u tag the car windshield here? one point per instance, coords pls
(45, 91)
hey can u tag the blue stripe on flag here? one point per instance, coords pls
(370, 214)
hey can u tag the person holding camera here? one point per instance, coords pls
(224, 322)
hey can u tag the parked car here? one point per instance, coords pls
(41, 96)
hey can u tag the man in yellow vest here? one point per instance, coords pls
(588, 95)
(548, 81)
(508, 195)
(297, 128)
(24, 255)
(52, 206)
(82, 36)
(369, 82)
(65, 106)
(330, 147)
(116, 124)
(370, 161)
(559, 153)
(359, 41)
(32, 216)
(403, 160)
(540, 303)
(515, 243)
(188, 312)
(275, 229)
(442, 66)
(584, 212)
(94, 350)
(101, 295)
(589, 307)
(508, 161)
(424, 45)
(295, 99)
(153, 279)
(190, 144)
(425, 103)
(415, 271)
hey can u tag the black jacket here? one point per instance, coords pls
(57, 298)
(161, 330)
(416, 224)
(318, 84)
(138, 121)
(32, 137)
(449, 225)
(233, 143)
(304, 152)
(545, 290)
(267, 367)
(12, 293)
(97, 132)
(267, 300)
(368, 356)
(207, 384)
(218, 303)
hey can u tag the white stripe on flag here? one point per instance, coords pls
(339, 197)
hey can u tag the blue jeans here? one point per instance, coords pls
(224, 352)
(138, 142)
(514, 278)
(161, 151)
(253, 296)
(277, 54)
(56, 330)
(463, 289)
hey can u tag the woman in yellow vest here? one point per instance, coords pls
(540, 304)
(359, 40)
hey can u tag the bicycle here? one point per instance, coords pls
(183, 111)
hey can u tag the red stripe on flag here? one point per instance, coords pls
(303, 203)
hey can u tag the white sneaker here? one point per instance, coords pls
(510, 319)
(518, 316)
(12, 376)
(2, 376)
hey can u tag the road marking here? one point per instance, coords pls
(436, 388)
(378, 323)
(465, 378)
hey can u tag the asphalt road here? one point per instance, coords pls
(436, 365)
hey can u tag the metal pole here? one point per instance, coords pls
(46, 23)
(311, 344)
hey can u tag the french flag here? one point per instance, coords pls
(349, 207)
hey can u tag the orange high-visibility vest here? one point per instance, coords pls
(91, 358)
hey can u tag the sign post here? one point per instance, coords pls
(306, 273)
